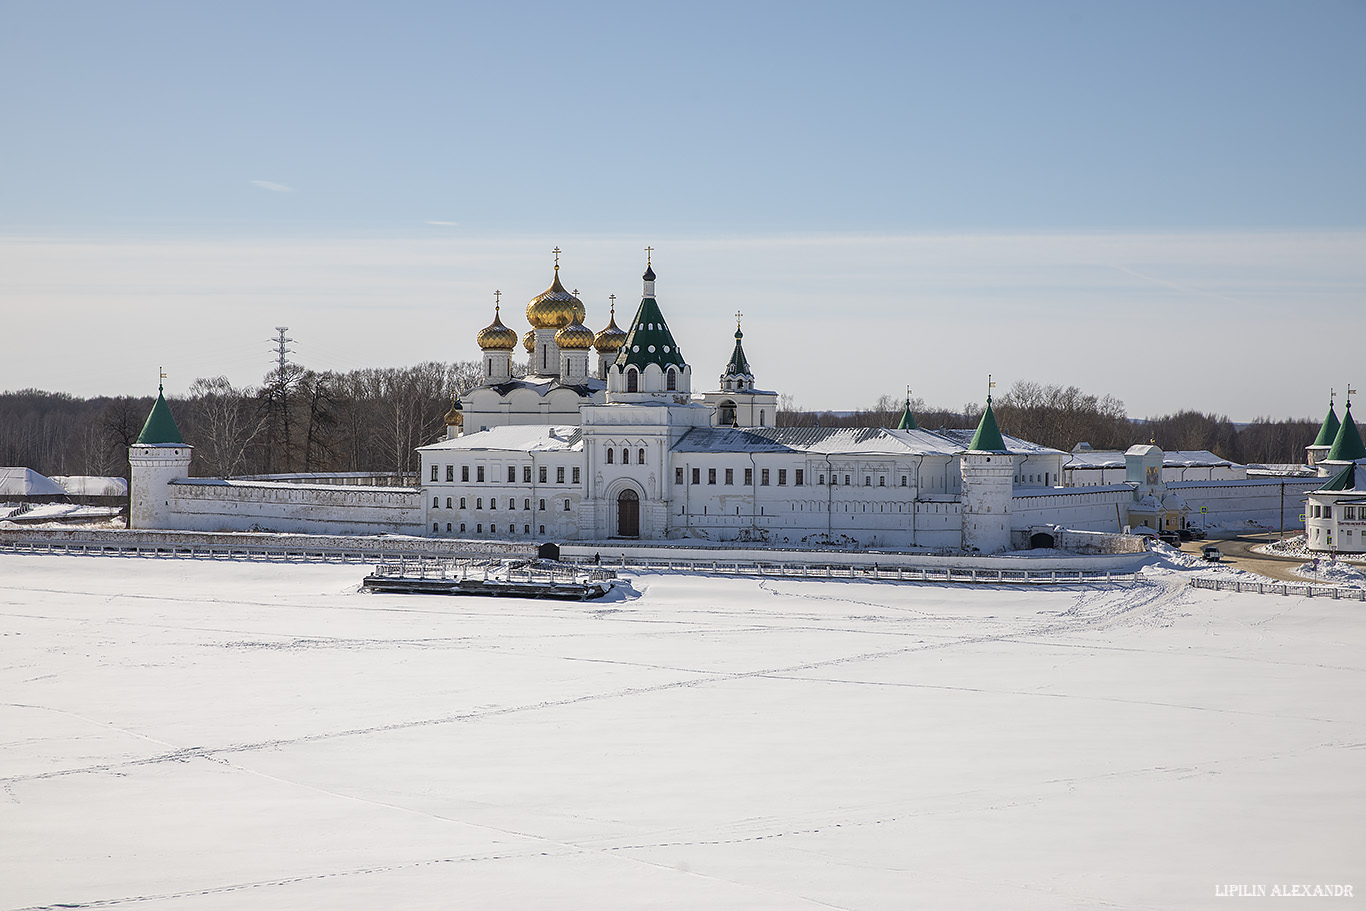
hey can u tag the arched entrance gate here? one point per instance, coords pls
(628, 514)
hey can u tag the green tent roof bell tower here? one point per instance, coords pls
(1347, 445)
(908, 419)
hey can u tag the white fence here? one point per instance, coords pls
(1302, 590)
(372, 553)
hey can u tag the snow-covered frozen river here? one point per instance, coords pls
(187, 734)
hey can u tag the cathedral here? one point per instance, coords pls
(628, 449)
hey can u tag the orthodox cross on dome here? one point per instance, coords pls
(575, 292)
(161, 385)
(648, 251)
(990, 386)
(737, 319)
(613, 299)
(497, 301)
(556, 251)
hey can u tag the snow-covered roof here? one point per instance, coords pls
(1014, 445)
(819, 440)
(1113, 458)
(21, 482)
(514, 437)
(93, 486)
(542, 385)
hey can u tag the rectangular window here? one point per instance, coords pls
(465, 473)
(559, 475)
(479, 474)
(782, 477)
(433, 472)
(797, 481)
(450, 473)
(512, 474)
(711, 475)
(903, 480)
(749, 476)
(678, 476)
(882, 480)
(576, 475)
(867, 480)
(697, 476)
(541, 474)
(820, 479)
(526, 474)
(730, 475)
(763, 477)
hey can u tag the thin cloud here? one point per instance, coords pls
(448, 224)
(272, 186)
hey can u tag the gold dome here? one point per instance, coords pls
(612, 338)
(575, 336)
(554, 308)
(529, 341)
(496, 336)
(456, 416)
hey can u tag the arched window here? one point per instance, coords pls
(448, 502)
(479, 528)
(566, 506)
(640, 457)
(436, 503)
(625, 456)
(448, 526)
(542, 509)
(671, 381)
(632, 380)
(479, 503)
(761, 417)
(493, 502)
(462, 502)
(435, 527)
(611, 454)
(526, 504)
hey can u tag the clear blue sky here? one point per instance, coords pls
(136, 132)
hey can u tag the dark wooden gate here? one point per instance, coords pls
(628, 514)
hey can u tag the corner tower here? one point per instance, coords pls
(988, 471)
(159, 456)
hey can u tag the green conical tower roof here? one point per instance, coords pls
(160, 427)
(1347, 446)
(649, 340)
(988, 435)
(1343, 480)
(908, 420)
(739, 365)
(1329, 430)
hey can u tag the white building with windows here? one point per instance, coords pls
(1335, 512)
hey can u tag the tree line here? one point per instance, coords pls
(373, 420)
(1060, 417)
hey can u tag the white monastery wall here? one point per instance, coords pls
(1232, 503)
(1086, 509)
(215, 505)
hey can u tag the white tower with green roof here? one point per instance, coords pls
(738, 403)
(1317, 450)
(988, 471)
(649, 367)
(159, 457)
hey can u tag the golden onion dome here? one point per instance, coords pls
(456, 416)
(554, 308)
(575, 336)
(496, 336)
(612, 338)
(529, 341)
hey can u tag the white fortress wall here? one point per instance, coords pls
(1084, 508)
(1240, 502)
(216, 505)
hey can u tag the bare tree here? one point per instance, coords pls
(227, 420)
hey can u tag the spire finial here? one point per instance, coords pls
(738, 314)
(908, 395)
(497, 302)
(613, 299)
(160, 385)
(648, 251)
(556, 251)
(990, 386)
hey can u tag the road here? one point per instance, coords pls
(1238, 552)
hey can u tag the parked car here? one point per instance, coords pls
(1211, 553)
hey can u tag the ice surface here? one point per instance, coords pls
(191, 734)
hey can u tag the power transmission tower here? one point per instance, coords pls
(282, 350)
(280, 443)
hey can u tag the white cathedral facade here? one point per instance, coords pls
(603, 437)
